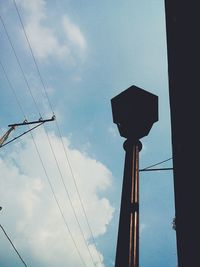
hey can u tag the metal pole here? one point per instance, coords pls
(127, 254)
(133, 122)
(156, 169)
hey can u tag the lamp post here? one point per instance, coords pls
(134, 111)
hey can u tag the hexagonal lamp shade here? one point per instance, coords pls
(134, 111)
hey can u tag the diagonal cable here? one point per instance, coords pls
(156, 164)
(78, 193)
(12, 89)
(15, 138)
(19, 64)
(34, 59)
(70, 201)
(57, 203)
(13, 245)
(46, 174)
(50, 105)
(27, 83)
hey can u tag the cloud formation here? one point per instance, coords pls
(44, 39)
(74, 35)
(30, 211)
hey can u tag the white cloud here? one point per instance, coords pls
(30, 210)
(74, 35)
(45, 40)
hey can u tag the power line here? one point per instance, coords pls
(55, 198)
(13, 245)
(34, 59)
(26, 81)
(12, 89)
(48, 179)
(19, 64)
(71, 204)
(50, 105)
(79, 196)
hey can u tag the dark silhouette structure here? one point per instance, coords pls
(134, 112)
(183, 43)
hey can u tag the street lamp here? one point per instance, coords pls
(134, 111)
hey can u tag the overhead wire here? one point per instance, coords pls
(59, 132)
(59, 207)
(79, 195)
(19, 64)
(11, 87)
(71, 170)
(17, 252)
(28, 86)
(34, 59)
(46, 174)
(70, 201)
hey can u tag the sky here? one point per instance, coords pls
(61, 185)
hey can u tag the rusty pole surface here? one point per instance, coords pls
(128, 234)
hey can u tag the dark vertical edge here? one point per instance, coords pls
(183, 47)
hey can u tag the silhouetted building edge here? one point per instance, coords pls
(182, 23)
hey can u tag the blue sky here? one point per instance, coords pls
(87, 52)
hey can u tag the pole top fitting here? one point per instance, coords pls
(134, 111)
(128, 144)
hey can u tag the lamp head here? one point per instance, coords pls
(134, 111)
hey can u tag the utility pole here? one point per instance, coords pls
(38, 123)
(134, 111)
